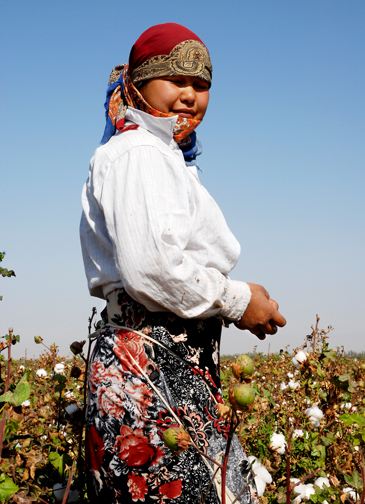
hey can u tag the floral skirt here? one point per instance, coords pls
(141, 385)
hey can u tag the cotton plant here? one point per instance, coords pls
(41, 373)
(299, 358)
(59, 368)
(293, 385)
(314, 414)
(278, 443)
(261, 474)
(303, 491)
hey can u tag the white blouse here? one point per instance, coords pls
(148, 225)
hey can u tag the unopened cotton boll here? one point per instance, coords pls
(321, 482)
(278, 443)
(314, 414)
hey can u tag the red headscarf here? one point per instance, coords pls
(168, 49)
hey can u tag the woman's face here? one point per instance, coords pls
(181, 95)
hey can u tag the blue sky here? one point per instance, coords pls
(283, 154)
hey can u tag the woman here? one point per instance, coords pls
(157, 248)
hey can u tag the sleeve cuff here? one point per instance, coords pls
(238, 297)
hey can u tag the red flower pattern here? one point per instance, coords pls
(137, 487)
(171, 490)
(130, 350)
(134, 448)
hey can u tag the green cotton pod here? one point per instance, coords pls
(244, 394)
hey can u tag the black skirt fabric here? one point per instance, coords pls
(141, 385)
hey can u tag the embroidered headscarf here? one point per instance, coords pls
(161, 51)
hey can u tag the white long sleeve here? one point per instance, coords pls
(149, 226)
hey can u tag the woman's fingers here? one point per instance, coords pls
(274, 303)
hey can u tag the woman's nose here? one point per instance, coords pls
(188, 94)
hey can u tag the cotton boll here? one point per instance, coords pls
(304, 491)
(282, 386)
(26, 403)
(263, 474)
(296, 364)
(277, 443)
(41, 373)
(260, 485)
(351, 493)
(301, 356)
(290, 375)
(314, 414)
(254, 462)
(293, 384)
(59, 368)
(298, 433)
(320, 482)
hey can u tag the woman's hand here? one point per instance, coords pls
(261, 316)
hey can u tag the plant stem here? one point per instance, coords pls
(362, 477)
(225, 462)
(69, 482)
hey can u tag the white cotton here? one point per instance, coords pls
(22, 368)
(301, 356)
(314, 414)
(354, 495)
(296, 364)
(70, 395)
(278, 443)
(290, 375)
(260, 485)
(293, 384)
(26, 403)
(304, 491)
(263, 474)
(347, 405)
(282, 386)
(59, 368)
(298, 433)
(320, 482)
(41, 373)
(254, 462)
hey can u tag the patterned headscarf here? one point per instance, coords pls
(162, 50)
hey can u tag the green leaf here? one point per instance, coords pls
(17, 337)
(7, 488)
(59, 461)
(349, 419)
(344, 377)
(6, 397)
(326, 441)
(319, 451)
(21, 392)
(354, 480)
(331, 354)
